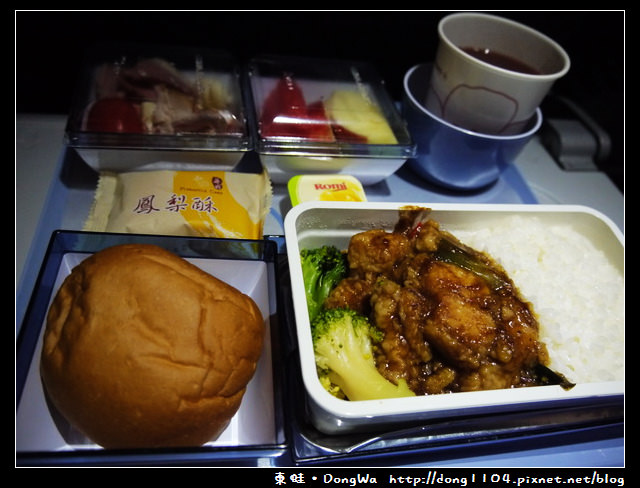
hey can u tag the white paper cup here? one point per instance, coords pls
(481, 95)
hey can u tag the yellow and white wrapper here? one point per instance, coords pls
(326, 188)
(186, 203)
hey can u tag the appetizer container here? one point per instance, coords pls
(43, 437)
(313, 224)
(141, 107)
(319, 116)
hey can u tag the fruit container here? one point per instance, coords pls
(141, 107)
(320, 116)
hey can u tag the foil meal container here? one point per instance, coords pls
(313, 224)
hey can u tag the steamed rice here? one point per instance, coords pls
(577, 294)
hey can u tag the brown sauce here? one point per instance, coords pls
(449, 324)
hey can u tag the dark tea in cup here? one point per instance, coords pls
(492, 57)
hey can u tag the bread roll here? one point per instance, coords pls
(144, 349)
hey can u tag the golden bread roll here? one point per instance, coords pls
(144, 349)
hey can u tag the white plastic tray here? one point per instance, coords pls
(312, 224)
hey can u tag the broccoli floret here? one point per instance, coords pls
(343, 343)
(322, 270)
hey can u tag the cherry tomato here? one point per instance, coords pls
(114, 115)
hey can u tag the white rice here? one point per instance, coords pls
(577, 294)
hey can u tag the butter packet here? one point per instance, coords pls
(186, 203)
(338, 187)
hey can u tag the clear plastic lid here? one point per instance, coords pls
(324, 108)
(159, 98)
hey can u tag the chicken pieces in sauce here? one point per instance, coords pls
(447, 327)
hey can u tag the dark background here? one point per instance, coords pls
(50, 45)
